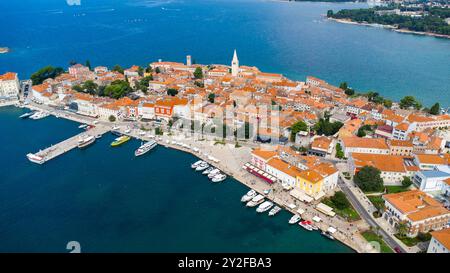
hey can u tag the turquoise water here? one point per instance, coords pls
(110, 201)
(290, 38)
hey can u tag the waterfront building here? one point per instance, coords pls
(78, 70)
(147, 110)
(392, 167)
(284, 172)
(420, 212)
(440, 241)
(85, 105)
(311, 182)
(9, 85)
(261, 157)
(355, 144)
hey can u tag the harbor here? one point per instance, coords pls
(154, 202)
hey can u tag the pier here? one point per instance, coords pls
(69, 144)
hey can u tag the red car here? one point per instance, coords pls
(398, 250)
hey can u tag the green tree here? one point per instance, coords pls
(144, 82)
(387, 103)
(340, 201)
(343, 86)
(435, 109)
(88, 64)
(325, 127)
(369, 179)
(172, 92)
(330, 13)
(406, 182)
(198, 73)
(46, 73)
(118, 68)
(117, 89)
(211, 97)
(339, 152)
(157, 70)
(410, 101)
(90, 87)
(402, 228)
(297, 127)
(112, 118)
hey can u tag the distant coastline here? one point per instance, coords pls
(390, 27)
(4, 50)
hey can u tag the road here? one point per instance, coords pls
(367, 217)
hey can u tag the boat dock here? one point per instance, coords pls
(69, 144)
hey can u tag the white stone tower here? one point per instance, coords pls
(235, 65)
(188, 60)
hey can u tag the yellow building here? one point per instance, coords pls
(310, 182)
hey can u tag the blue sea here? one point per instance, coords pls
(292, 38)
(110, 201)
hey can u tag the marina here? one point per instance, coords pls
(56, 150)
(204, 227)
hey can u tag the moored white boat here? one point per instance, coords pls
(306, 225)
(145, 148)
(219, 178)
(39, 115)
(196, 164)
(84, 142)
(264, 206)
(274, 210)
(248, 196)
(208, 170)
(328, 235)
(26, 115)
(82, 126)
(213, 173)
(255, 201)
(202, 166)
(294, 219)
(35, 158)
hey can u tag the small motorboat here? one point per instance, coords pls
(196, 164)
(208, 170)
(213, 173)
(264, 206)
(219, 178)
(294, 219)
(255, 201)
(306, 225)
(274, 210)
(248, 196)
(203, 166)
(98, 136)
(328, 235)
(82, 126)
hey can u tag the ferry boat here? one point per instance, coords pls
(26, 115)
(264, 206)
(294, 219)
(219, 178)
(35, 158)
(201, 167)
(213, 173)
(39, 115)
(196, 164)
(208, 170)
(144, 148)
(248, 196)
(306, 225)
(274, 210)
(84, 142)
(328, 235)
(255, 201)
(120, 140)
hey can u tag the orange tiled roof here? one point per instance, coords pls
(376, 143)
(443, 236)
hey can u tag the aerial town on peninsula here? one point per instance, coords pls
(358, 166)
